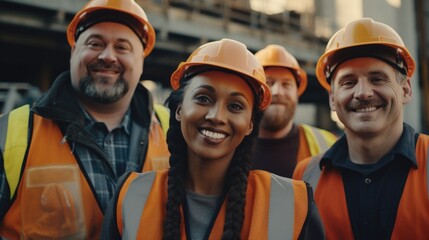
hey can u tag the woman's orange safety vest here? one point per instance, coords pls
(276, 207)
(52, 198)
(412, 218)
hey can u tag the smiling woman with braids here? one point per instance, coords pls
(209, 191)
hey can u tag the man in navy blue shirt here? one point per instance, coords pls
(372, 183)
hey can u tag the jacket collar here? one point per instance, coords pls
(406, 146)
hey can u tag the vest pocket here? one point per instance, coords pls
(52, 203)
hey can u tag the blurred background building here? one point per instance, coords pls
(34, 49)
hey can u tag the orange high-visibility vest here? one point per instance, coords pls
(276, 207)
(412, 218)
(46, 149)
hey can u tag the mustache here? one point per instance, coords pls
(356, 104)
(101, 65)
(278, 100)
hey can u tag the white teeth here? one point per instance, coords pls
(213, 135)
(109, 72)
(366, 109)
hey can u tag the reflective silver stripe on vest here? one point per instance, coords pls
(3, 131)
(312, 172)
(281, 218)
(134, 202)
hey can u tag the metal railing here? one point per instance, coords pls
(13, 95)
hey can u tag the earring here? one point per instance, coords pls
(177, 115)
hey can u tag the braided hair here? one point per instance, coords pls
(237, 173)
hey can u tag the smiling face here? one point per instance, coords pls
(106, 63)
(284, 92)
(215, 115)
(368, 97)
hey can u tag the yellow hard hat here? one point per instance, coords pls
(364, 38)
(231, 55)
(277, 56)
(128, 8)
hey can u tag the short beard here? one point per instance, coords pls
(89, 87)
(273, 122)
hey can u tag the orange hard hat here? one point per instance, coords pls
(128, 7)
(231, 55)
(355, 39)
(277, 56)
